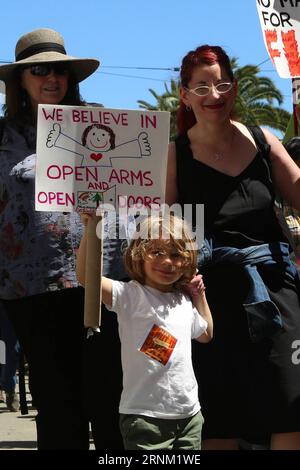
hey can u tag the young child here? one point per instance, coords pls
(159, 312)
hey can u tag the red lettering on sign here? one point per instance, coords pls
(271, 36)
(291, 52)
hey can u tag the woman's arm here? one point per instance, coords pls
(285, 172)
(171, 183)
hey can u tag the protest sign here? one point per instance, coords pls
(279, 20)
(89, 155)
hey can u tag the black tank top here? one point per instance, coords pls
(238, 210)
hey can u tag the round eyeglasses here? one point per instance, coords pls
(204, 90)
(160, 254)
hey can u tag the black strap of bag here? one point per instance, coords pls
(261, 143)
(260, 139)
(265, 148)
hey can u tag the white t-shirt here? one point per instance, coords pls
(155, 330)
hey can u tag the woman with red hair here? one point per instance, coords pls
(248, 377)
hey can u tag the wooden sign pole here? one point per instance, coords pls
(93, 272)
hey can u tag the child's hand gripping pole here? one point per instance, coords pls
(93, 272)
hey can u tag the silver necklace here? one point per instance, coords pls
(220, 155)
(217, 157)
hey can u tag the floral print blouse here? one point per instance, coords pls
(38, 249)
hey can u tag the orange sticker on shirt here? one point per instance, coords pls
(159, 344)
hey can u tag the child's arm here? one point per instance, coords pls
(196, 290)
(80, 266)
(106, 291)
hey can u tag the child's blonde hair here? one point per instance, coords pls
(171, 231)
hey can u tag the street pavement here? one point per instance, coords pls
(17, 431)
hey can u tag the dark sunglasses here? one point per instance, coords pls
(42, 70)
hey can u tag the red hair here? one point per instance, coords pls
(207, 55)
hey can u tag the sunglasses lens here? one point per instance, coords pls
(42, 70)
(60, 69)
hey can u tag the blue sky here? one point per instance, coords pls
(136, 33)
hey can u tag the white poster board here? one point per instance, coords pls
(280, 22)
(92, 155)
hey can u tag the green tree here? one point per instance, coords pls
(168, 101)
(258, 100)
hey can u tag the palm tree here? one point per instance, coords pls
(255, 103)
(256, 99)
(168, 101)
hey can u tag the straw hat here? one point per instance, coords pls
(47, 45)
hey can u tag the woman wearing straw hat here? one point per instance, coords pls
(38, 284)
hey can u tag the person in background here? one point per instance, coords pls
(38, 285)
(159, 407)
(8, 371)
(292, 216)
(249, 384)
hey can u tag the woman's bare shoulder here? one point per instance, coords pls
(243, 130)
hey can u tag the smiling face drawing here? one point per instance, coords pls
(98, 138)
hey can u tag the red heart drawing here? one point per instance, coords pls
(96, 156)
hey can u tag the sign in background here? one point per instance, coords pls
(280, 22)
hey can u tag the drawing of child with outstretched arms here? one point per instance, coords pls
(97, 145)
